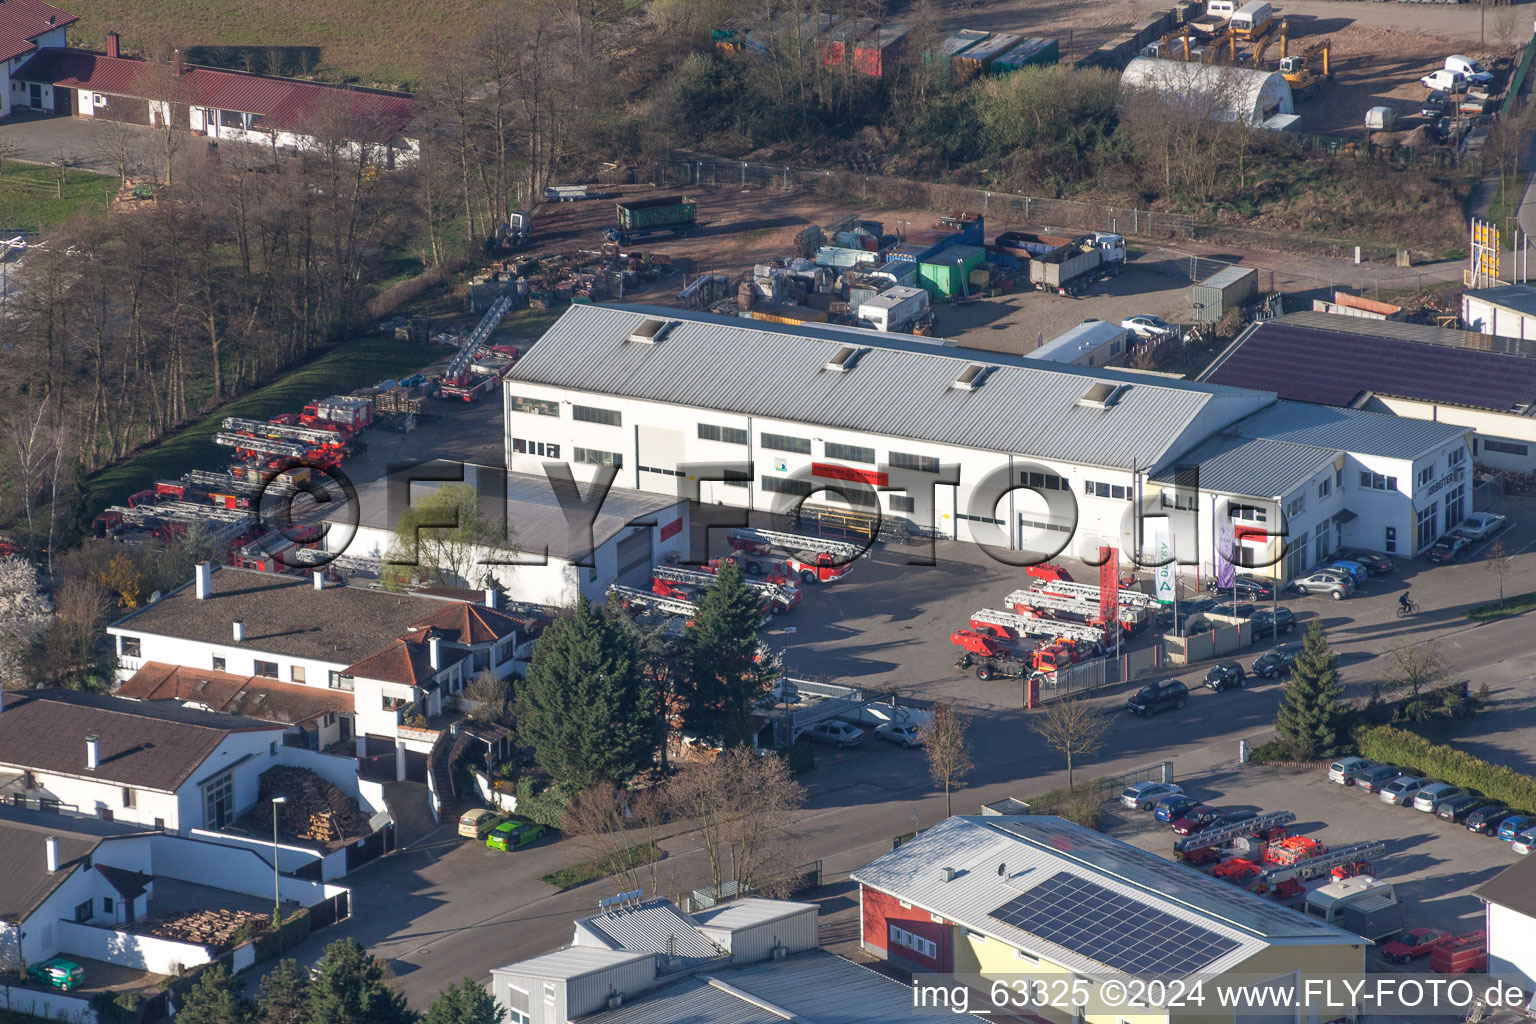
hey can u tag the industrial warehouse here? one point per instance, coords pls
(969, 445)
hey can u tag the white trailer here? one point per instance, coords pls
(895, 308)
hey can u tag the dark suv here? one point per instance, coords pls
(1268, 623)
(1189, 607)
(1155, 697)
(1276, 661)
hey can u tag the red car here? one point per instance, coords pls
(1195, 819)
(1415, 943)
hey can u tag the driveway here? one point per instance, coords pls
(40, 139)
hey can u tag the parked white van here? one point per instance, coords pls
(1473, 71)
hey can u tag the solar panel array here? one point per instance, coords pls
(1334, 368)
(1118, 931)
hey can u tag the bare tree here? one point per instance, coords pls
(489, 696)
(948, 749)
(744, 807)
(120, 144)
(74, 638)
(601, 819)
(1500, 562)
(1415, 668)
(1073, 728)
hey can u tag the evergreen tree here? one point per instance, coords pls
(284, 992)
(465, 1003)
(1312, 711)
(722, 674)
(216, 998)
(350, 989)
(586, 708)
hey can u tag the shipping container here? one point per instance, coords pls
(1068, 270)
(843, 39)
(899, 271)
(948, 273)
(1025, 245)
(943, 56)
(895, 308)
(871, 52)
(835, 256)
(1030, 52)
(1231, 288)
(977, 60)
(658, 211)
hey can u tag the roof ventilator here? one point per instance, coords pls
(1102, 395)
(651, 331)
(844, 359)
(971, 377)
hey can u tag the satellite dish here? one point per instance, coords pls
(1002, 869)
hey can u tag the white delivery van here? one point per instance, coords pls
(1473, 71)
(1381, 119)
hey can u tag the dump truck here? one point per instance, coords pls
(642, 220)
(1069, 269)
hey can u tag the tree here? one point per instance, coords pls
(745, 808)
(490, 696)
(611, 822)
(350, 988)
(1415, 668)
(73, 644)
(443, 539)
(723, 675)
(1312, 712)
(24, 615)
(465, 1003)
(217, 997)
(1072, 727)
(1500, 562)
(585, 707)
(283, 995)
(948, 749)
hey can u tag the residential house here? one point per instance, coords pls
(26, 28)
(1509, 912)
(313, 715)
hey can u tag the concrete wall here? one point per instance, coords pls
(340, 770)
(48, 1004)
(129, 949)
(226, 867)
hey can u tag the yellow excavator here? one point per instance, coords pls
(1168, 51)
(1222, 44)
(1264, 42)
(1297, 68)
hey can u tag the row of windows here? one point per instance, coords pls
(786, 443)
(535, 406)
(658, 469)
(1506, 447)
(1377, 482)
(730, 435)
(1044, 481)
(1180, 500)
(849, 453)
(592, 414)
(1296, 506)
(593, 457)
(525, 447)
(1099, 490)
(921, 463)
(1038, 525)
(979, 519)
(916, 943)
(1425, 475)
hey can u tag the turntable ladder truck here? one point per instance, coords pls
(782, 597)
(1029, 625)
(813, 559)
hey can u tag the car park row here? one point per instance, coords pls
(1400, 787)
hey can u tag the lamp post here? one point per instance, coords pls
(277, 890)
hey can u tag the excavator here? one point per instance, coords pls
(1263, 43)
(1297, 68)
(1168, 51)
(1222, 44)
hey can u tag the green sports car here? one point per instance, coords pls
(514, 835)
(58, 972)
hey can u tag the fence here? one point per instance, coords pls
(1105, 671)
(800, 878)
(1109, 788)
(1183, 650)
(130, 949)
(48, 1004)
(1517, 80)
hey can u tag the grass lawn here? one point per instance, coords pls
(352, 364)
(1513, 605)
(30, 200)
(592, 870)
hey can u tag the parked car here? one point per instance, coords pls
(1431, 796)
(1234, 818)
(1402, 790)
(1269, 623)
(1345, 770)
(1144, 795)
(1235, 609)
(1415, 943)
(1514, 825)
(1276, 661)
(1435, 103)
(1377, 563)
(1485, 821)
(1448, 548)
(1159, 696)
(477, 823)
(1457, 809)
(1196, 818)
(1480, 525)
(1249, 588)
(837, 734)
(1449, 81)
(1336, 585)
(1524, 841)
(1172, 807)
(1149, 326)
(1193, 606)
(1372, 779)
(514, 835)
(1224, 677)
(1475, 72)
(903, 734)
(58, 973)
(1354, 570)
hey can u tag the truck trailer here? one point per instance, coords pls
(648, 219)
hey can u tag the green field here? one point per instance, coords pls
(353, 364)
(359, 41)
(30, 199)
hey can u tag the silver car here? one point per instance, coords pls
(837, 734)
(1402, 790)
(1433, 795)
(1143, 795)
(903, 734)
(1331, 582)
(1345, 769)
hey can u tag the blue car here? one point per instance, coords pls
(1513, 826)
(1357, 572)
(1172, 808)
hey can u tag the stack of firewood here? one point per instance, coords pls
(314, 809)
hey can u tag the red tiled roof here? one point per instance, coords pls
(252, 696)
(405, 661)
(282, 103)
(22, 21)
(464, 623)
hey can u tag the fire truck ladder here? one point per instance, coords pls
(458, 366)
(1218, 836)
(262, 445)
(224, 483)
(646, 599)
(1088, 592)
(798, 542)
(1059, 603)
(697, 578)
(1028, 625)
(282, 431)
(222, 524)
(1314, 866)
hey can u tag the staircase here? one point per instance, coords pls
(410, 805)
(440, 765)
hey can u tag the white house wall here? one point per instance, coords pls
(1511, 943)
(254, 752)
(1510, 428)
(239, 659)
(91, 796)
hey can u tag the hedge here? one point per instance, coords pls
(294, 930)
(1397, 746)
(546, 806)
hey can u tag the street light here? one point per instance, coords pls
(277, 890)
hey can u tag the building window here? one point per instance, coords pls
(106, 904)
(1296, 506)
(1454, 503)
(1098, 490)
(903, 503)
(850, 453)
(1324, 488)
(1425, 475)
(393, 703)
(856, 496)
(1456, 457)
(1020, 954)
(728, 435)
(1377, 482)
(1043, 481)
(535, 406)
(272, 749)
(1320, 541)
(83, 911)
(908, 940)
(297, 674)
(782, 485)
(520, 446)
(264, 668)
(1338, 478)
(1249, 513)
(1180, 500)
(785, 443)
(1505, 447)
(218, 663)
(1427, 524)
(515, 1016)
(1390, 544)
(921, 463)
(219, 801)
(160, 823)
(128, 646)
(979, 519)
(661, 470)
(1035, 524)
(1296, 559)
(130, 798)
(592, 414)
(593, 457)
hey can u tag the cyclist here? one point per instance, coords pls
(1405, 602)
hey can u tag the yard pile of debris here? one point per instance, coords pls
(314, 808)
(215, 928)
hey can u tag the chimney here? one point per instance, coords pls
(319, 578)
(92, 751)
(51, 845)
(434, 651)
(239, 630)
(112, 40)
(176, 69)
(492, 599)
(204, 580)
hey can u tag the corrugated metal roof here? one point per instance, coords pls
(1254, 468)
(901, 386)
(573, 962)
(1402, 331)
(816, 986)
(1351, 430)
(655, 927)
(1230, 275)
(746, 913)
(22, 21)
(1519, 297)
(998, 858)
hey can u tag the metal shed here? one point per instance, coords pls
(1214, 91)
(750, 929)
(1226, 289)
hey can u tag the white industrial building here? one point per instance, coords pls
(1212, 91)
(1509, 912)
(1508, 311)
(1018, 454)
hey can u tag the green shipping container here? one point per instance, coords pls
(948, 273)
(659, 211)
